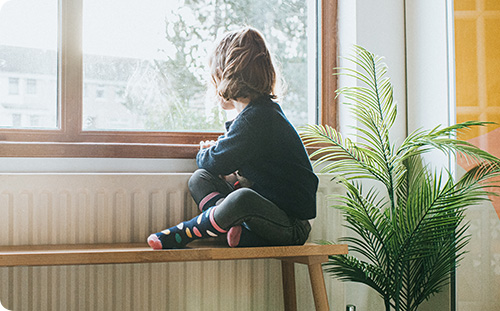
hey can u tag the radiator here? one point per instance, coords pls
(108, 208)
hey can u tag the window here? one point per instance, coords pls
(16, 119)
(130, 79)
(31, 86)
(100, 92)
(13, 86)
(35, 120)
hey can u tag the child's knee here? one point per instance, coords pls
(196, 177)
(242, 195)
(242, 200)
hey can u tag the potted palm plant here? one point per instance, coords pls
(408, 227)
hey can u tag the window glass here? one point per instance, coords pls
(145, 62)
(477, 39)
(28, 45)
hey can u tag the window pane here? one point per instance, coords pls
(145, 62)
(477, 38)
(28, 63)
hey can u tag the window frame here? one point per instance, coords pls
(69, 140)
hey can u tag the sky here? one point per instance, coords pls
(29, 23)
(131, 29)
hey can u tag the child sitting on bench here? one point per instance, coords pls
(255, 183)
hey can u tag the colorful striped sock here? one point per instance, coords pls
(202, 226)
(210, 200)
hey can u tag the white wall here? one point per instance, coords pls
(430, 63)
(379, 27)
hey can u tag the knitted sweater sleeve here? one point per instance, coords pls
(231, 149)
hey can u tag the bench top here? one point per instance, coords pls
(119, 253)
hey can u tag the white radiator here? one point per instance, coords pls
(108, 208)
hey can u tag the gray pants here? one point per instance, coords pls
(246, 207)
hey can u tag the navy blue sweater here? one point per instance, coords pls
(265, 148)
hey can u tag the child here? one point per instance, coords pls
(255, 183)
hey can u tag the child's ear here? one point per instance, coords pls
(226, 104)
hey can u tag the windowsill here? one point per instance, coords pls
(10, 149)
(76, 158)
(96, 150)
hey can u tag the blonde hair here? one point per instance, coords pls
(241, 66)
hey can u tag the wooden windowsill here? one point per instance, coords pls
(101, 150)
(96, 150)
(9, 149)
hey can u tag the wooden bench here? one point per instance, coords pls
(311, 255)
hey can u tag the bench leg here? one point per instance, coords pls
(289, 292)
(318, 287)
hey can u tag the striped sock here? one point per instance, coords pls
(202, 226)
(210, 200)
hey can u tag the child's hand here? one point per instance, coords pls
(231, 178)
(206, 144)
(237, 180)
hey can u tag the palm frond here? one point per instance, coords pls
(364, 215)
(373, 102)
(342, 155)
(349, 268)
(421, 141)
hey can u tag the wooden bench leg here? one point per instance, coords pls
(289, 292)
(318, 287)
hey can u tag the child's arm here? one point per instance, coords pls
(239, 145)
(233, 178)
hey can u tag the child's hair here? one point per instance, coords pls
(241, 66)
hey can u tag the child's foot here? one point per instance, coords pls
(240, 236)
(171, 238)
(154, 242)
